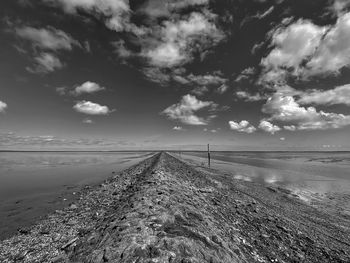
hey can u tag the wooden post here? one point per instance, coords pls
(208, 156)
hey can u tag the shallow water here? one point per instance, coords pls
(33, 184)
(316, 172)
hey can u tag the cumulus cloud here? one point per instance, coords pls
(47, 38)
(174, 42)
(339, 6)
(285, 109)
(3, 106)
(303, 49)
(185, 110)
(268, 127)
(45, 63)
(178, 128)
(88, 87)
(292, 45)
(338, 95)
(115, 12)
(334, 51)
(91, 108)
(242, 126)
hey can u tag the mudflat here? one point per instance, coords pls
(167, 210)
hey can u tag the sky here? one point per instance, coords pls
(245, 75)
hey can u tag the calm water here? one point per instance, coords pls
(35, 183)
(318, 172)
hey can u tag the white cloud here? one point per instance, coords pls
(174, 42)
(303, 49)
(115, 11)
(249, 97)
(91, 108)
(338, 6)
(290, 127)
(178, 128)
(269, 127)
(246, 74)
(334, 51)
(222, 89)
(88, 87)
(284, 108)
(185, 110)
(3, 106)
(47, 38)
(164, 8)
(45, 63)
(292, 45)
(88, 121)
(243, 126)
(338, 95)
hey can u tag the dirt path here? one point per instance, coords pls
(165, 210)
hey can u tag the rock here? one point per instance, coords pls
(69, 243)
(73, 206)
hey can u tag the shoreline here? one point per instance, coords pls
(168, 210)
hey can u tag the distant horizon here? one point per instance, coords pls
(165, 150)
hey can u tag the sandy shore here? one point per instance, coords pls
(166, 210)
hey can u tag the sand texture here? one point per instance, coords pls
(166, 210)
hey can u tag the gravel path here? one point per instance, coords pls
(166, 210)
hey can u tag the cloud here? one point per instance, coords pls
(338, 95)
(249, 97)
(91, 108)
(292, 44)
(338, 6)
(185, 110)
(115, 12)
(174, 42)
(243, 126)
(3, 106)
(206, 80)
(164, 8)
(47, 38)
(202, 83)
(88, 87)
(285, 109)
(246, 74)
(303, 49)
(88, 121)
(178, 128)
(290, 127)
(168, 33)
(259, 15)
(268, 127)
(222, 89)
(45, 63)
(46, 42)
(334, 51)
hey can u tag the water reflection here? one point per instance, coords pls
(307, 171)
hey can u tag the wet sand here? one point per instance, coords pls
(30, 191)
(167, 210)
